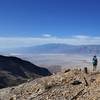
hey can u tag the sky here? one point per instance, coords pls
(35, 22)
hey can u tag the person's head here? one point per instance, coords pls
(95, 56)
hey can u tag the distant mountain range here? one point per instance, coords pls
(58, 48)
(14, 71)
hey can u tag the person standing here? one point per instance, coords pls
(95, 62)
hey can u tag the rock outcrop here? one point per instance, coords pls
(66, 85)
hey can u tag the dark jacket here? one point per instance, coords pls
(95, 61)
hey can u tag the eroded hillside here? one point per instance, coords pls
(66, 85)
(14, 71)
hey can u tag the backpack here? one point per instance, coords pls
(94, 60)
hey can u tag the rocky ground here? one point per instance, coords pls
(66, 85)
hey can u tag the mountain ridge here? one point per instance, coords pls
(60, 48)
(14, 71)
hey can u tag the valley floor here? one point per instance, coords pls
(57, 62)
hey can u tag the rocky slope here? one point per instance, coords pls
(14, 71)
(67, 85)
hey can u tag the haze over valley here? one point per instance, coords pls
(57, 57)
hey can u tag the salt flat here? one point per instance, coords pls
(56, 62)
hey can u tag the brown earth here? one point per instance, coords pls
(66, 85)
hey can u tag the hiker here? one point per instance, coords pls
(95, 62)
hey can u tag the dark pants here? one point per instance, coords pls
(94, 67)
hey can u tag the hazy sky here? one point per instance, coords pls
(62, 20)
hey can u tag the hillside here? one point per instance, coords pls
(14, 71)
(66, 85)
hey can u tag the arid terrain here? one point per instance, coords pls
(69, 80)
(66, 85)
(14, 71)
(57, 62)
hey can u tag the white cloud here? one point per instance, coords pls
(47, 35)
(8, 42)
(81, 36)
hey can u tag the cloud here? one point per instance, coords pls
(47, 35)
(81, 36)
(10, 42)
